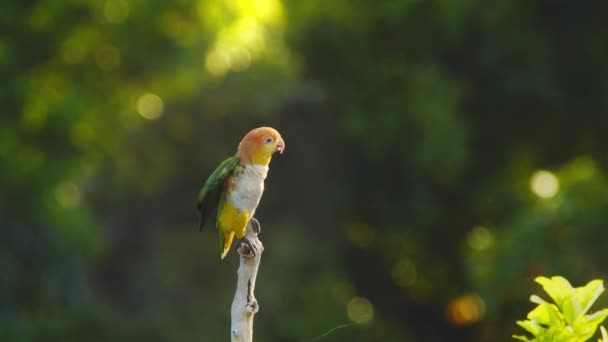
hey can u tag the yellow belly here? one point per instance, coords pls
(231, 221)
(234, 220)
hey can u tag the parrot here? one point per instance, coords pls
(236, 186)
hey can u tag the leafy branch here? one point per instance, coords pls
(565, 320)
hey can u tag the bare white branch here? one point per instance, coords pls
(244, 305)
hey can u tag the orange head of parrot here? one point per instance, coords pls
(258, 146)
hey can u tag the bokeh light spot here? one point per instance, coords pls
(360, 310)
(251, 35)
(67, 195)
(544, 184)
(40, 18)
(404, 273)
(583, 168)
(35, 114)
(218, 62)
(82, 134)
(73, 51)
(465, 309)
(116, 11)
(178, 28)
(243, 28)
(269, 11)
(480, 238)
(359, 234)
(240, 58)
(150, 106)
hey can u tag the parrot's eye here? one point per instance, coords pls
(268, 140)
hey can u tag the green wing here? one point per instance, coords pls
(210, 194)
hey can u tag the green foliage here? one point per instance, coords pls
(604, 335)
(565, 320)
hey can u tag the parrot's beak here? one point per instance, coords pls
(280, 146)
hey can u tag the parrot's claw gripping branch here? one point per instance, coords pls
(255, 225)
(246, 248)
(244, 305)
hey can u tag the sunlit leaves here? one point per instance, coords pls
(245, 31)
(566, 320)
(558, 288)
(604, 335)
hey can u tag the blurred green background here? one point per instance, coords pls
(440, 155)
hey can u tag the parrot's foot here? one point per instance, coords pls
(246, 248)
(255, 225)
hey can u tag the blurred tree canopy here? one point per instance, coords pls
(440, 155)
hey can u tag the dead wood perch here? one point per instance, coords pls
(244, 305)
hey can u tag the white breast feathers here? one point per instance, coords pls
(248, 187)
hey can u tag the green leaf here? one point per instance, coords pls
(558, 288)
(531, 326)
(597, 317)
(546, 314)
(588, 295)
(587, 325)
(536, 299)
(604, 335)
(581, 300)
(522, 338)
